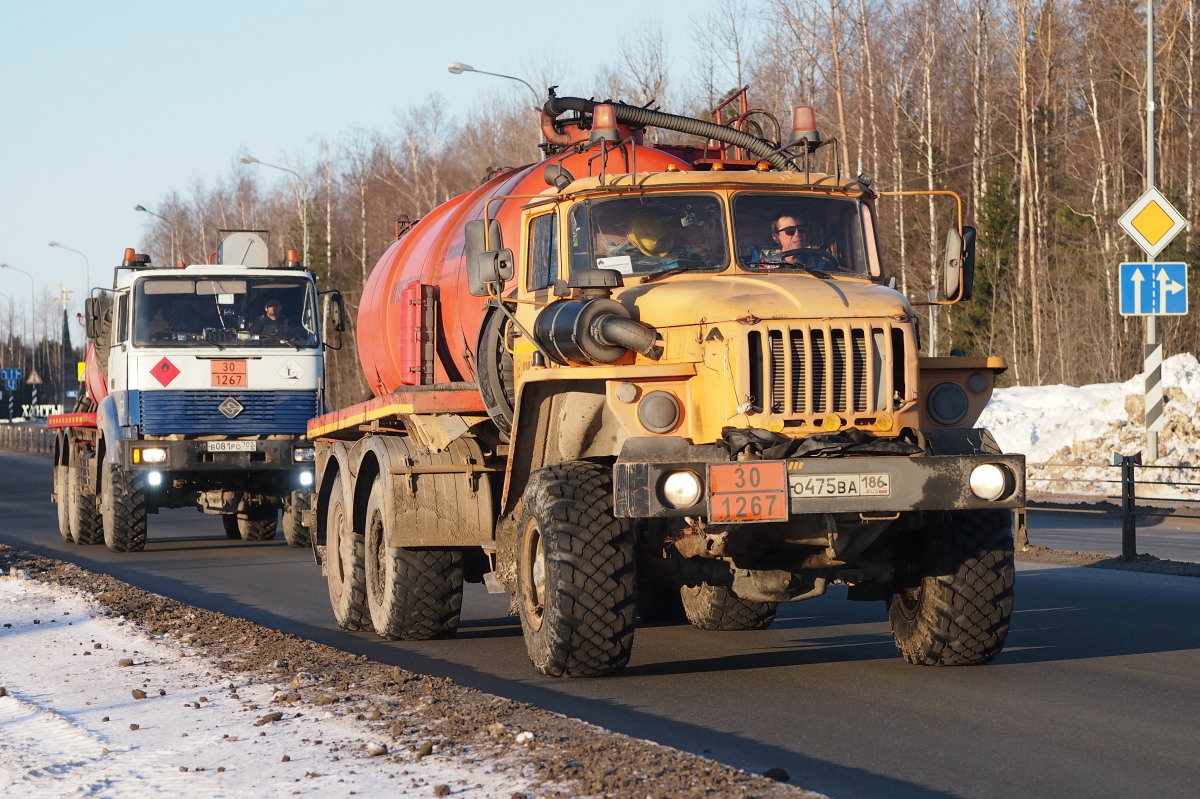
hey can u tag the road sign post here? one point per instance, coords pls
(1151, 289)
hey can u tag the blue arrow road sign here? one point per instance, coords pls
(10, 373)
(1154, 289)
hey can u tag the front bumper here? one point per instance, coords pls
(771, 491)
(208, 456)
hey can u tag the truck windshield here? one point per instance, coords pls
(791, 233)
(649, 233)
(224, 311)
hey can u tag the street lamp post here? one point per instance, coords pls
(32, 348)
(458, 67)
(87, 265)
(170, 227)
(302, 195)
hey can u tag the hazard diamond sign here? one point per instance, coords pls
(1152, 222)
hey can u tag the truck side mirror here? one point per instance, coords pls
(486, 267)
(92, 317)
(334, 316)
(958, 264)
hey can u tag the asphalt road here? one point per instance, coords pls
(1096, 694)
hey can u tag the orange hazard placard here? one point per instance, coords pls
(228, 373)
(747, 491)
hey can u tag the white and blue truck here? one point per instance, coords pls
(200, 381)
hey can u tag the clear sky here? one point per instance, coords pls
(106, 105)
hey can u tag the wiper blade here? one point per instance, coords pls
(674, 270)
(795, 267)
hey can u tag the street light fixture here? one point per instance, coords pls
(170, 227)
(302, 196)
(458, 67)
(87, 265)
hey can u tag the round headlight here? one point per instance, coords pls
(659, 412)
(947, 403)
(990, 481)
(680, 489)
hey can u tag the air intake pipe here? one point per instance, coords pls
(633, 115)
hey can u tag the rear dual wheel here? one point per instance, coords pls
(345, 571)
(252, 525)
(715, 607)
(87, 526)
(412, 593)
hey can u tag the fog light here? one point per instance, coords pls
(304, 454)
(306, 478)
(154, 478)
(680, 489)
(990, 481)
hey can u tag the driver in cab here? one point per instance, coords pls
(789, 234)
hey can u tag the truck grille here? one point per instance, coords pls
(854, 368)
(198, 412)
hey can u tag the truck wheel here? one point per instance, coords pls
(345, 573)
(413, 594)
(63, 486)
(294, 532)
(952, 604)
(258, 524)
(575, 573)
(123, 509)
(230, 523)
(87, 527)
(714, 607)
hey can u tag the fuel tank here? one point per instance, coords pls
(432, 252)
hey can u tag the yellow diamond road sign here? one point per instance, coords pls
(1152, 222)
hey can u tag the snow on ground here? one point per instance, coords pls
(93, 707)
(1069, 434)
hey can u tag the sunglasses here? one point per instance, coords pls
(791, 230)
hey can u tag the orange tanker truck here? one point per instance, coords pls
(636, 382)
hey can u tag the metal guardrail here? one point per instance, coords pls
(1174, 491)
(35, 438)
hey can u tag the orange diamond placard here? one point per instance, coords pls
(164, 372)
(1152, 222)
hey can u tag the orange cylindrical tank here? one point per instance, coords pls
(432, 252)
(93, 375)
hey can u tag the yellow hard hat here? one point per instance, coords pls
(647, 230)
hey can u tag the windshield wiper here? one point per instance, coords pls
(795, 267)
(674, 270)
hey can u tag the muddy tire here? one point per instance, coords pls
(64, 486)
(230, 524)
(345, 572)
(258, 524)
(87, 527)
(714, 607)
(412, 594)
(122, 509)
(575, 573)
(294, 531)
(952, 604)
